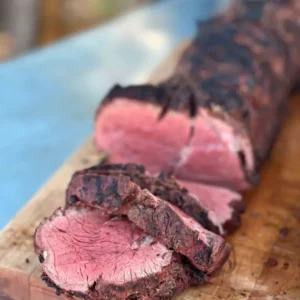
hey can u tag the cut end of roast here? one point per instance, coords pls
(132, 133)
(86, 252)
(202, 148)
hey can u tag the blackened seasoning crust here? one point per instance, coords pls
(172, 227)
(83, 185)
(239, 70)
(224, 219)
(241, 67)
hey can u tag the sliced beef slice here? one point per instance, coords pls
(206, 250)
(216, 118)
(216, 209)
(86, 184)
(89, 254)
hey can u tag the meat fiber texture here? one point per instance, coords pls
(89, 254)
(216, 209)
(117, 194)
(214, 120)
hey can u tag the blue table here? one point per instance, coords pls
(48, 98)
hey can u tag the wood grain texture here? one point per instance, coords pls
(265, 263)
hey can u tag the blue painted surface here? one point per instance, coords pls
(48, 98)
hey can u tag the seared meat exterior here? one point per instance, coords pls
(216, 209)
(214, 120)
(118, 195)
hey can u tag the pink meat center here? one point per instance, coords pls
(131, 132)
(217, 201)
(83, 246)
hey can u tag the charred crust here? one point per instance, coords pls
(193, 106)
(51, 284)
(202, 218)
(165, 108)
(163, 186)
(59, 291)
(119, 288)
(231, 225)
(78, 295)
(93, 287)
(134, 297)
(238, 206)
(242, 159)
(144, 93)
(197, 276)
(253, 178)
(41, 258)
(125, 169)
(73, 199)
(204, 257)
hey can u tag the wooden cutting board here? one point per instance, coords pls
(265, 263)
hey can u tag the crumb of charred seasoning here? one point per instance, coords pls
(243, 294)
(14, 243)
(276, 282)
(27, 260)
(285, 266)
(78, 295)
(41, 258)
(73, 199)
(284, 232)
(271, 262)
(51, 284)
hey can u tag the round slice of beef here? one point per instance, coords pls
(87, 253)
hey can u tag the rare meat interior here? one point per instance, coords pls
(168, 144)
(85, 252)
